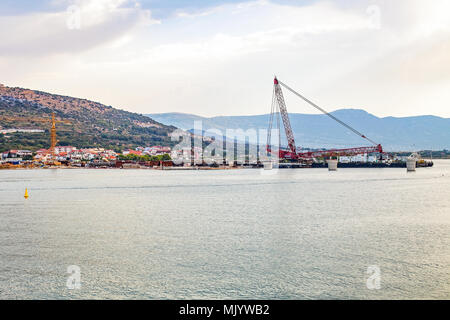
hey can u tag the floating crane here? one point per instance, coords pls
(52, 120)
(279, 107)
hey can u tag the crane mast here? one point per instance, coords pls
(284, 116)
(279, 105)
(53, 140)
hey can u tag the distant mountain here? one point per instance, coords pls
(93, 124)
(316, 131)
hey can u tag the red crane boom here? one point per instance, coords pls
(292, 152)
(284, 115)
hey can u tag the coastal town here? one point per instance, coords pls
(164, 157)
(69, 156)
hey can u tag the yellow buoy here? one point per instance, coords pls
(26, 194)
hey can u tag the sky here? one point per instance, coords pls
(390, 58)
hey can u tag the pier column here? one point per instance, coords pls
(411, 165)
(268, 165)
(332, 165)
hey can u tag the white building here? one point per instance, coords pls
(66, 149)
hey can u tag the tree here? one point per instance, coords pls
(165, 157)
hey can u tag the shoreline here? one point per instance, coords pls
(199, 168)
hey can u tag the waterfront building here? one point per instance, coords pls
(127, 152)
(157, 150)
(67, 149)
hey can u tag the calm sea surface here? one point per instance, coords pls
(238, 234)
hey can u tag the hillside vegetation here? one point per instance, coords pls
(93, 124)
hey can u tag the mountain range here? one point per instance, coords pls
(92, 124)
(96, 125)
(320, 131)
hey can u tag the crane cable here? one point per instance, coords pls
(272, 111)
(327, 113)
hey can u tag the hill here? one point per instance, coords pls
(319, 131)
(93, 124)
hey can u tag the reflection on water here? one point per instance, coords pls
(299, 234)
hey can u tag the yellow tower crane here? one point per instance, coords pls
(52, 120)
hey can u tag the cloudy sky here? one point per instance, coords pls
(219, 57)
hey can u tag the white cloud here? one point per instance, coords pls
(101, 21)
(220, 60)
